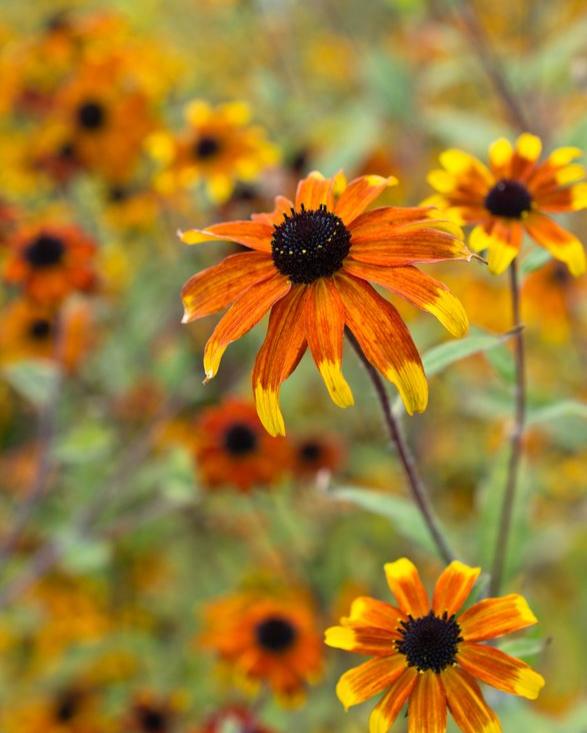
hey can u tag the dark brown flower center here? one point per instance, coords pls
(276, 634)
(206, 147)
(310, 451)
(152, 720)
(430, 642)
(310, 244)
(91, 115)
(40, 329)
(240, 439)
(508, 198)
(67, 706)
(44, 251)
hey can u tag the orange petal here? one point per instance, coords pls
(453, 587)
(375, 642)
(495, 617)
(359, 194)
(407, 247)
(241, 317)
(325, 328)
(405, 584)
(368, 679)
(374, 613)
(505, 240)
(466, 703)
(558, 241)
(418, 288)
(385, 340)
(216, 287)
(313, 191)
(499, 670)
(427, 710)
(253, 234)
(381, 219)
(388, 708)
(279, 355)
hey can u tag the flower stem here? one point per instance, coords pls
(415, 483)
(517, 434)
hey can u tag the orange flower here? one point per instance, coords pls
(231, 447)
(425, 654)
(311, 266)
(219, 148)
(514, 195)
(152, 714)
(266, 638)
(317, 453)
(50, 261)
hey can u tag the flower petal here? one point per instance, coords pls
(401, 246)
(216, 287)
(325, 319)
(378, 221)
(375, 642)
(253, 234)
(385, 340)
(313, 191)
(418, 288)
(505, 240)
(374, 613)
(369, 678)
(405, 584)
(466, 703)
(453, 587)
(495, 617)
(427, 710)
(499, 670)
(500, 156)
(558, 241)
(279, 355)
(245, 312)
(388, 708)
(359, 194)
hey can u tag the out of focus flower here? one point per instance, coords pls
(263, 638)
(312, 265)
(316, 453)
(515, 194)
(50, 261)
(235, 718)
(233, 449)
(427, 656)
(219, 148)
(70, 710)
(152, 714)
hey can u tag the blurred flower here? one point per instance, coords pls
(152, 714)
(311, 266)
(266, 638)
(513, 196)
(219, 148)
(317, 453)
(425, 655)
(233, 449)
(50, 261)
(235, 718)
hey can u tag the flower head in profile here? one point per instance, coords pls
(266, 637)
(219, 148)
(312, 265)
(514, 194)
(426, 655)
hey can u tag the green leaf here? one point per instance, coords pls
(566, 408)
(439, 357)
(523, 648)
(534, 260)
(403, 515)
(84, 443)
(36, 379)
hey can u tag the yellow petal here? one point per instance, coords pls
(500, 152)
(267, 404)
(529, 146)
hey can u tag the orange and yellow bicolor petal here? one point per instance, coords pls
(562, 245)
(314, 191)
(244, 313)
(467, 704)
(418, 288)
(361, 640)
(325, 321)
(406, 585)
(388, 708)
(358, 194)
(500, 670)
(253, 234)
(453, 588)
(502, 239)
(372, 612)
(427, 708)
(495, 617)
(279, 355)
(369, 679)
(216, 287)
(384, 340)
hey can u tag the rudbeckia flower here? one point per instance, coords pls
(314, 453)
(219, 148)
(266, 638)
(233, 449)
(428, 656)
(311, 266)
(515, 194)
(50, 261)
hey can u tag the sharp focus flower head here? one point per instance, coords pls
(311, 266)
(514, 194)
(426, 655)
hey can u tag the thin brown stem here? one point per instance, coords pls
(516, 439)
(415, 484)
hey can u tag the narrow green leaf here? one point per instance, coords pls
(439, 357)
(523, 648)
(566, 408)
(35, 379)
